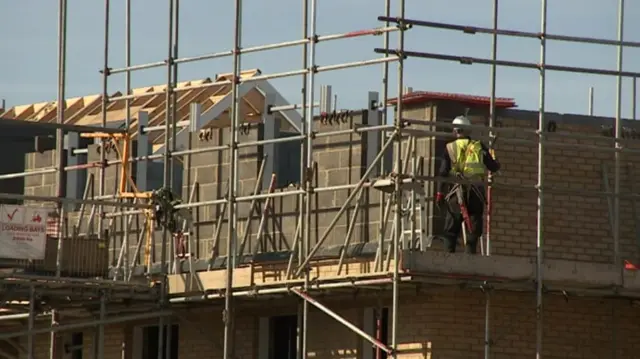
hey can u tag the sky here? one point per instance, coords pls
(28, 65)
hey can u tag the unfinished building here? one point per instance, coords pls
(314, 233)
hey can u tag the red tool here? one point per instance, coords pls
(463, 208)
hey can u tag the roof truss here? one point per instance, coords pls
(264, 87)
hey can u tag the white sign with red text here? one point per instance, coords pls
(23, 232)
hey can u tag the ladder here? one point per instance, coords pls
(417, 237)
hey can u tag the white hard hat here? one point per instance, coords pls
(461, 120)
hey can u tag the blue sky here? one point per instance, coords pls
(29, 58)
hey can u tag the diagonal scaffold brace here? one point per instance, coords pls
(340, 319)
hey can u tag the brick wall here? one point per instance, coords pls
(114, 335)
(451, 325)
(576, 226)
(447, 323)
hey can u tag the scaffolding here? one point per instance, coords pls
(299, 282)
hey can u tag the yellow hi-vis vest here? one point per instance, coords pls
(466, 158)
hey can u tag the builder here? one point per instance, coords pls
(468, 160)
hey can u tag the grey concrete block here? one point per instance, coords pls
(352, 157)
(207, 159)
(581, 273)
(46, 190)
(324, 200)
(328, 160)
(34, 181)
(43, 160)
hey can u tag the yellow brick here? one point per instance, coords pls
(444, 324)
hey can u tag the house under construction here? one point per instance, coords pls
(302, 231)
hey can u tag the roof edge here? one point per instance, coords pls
(418, 97)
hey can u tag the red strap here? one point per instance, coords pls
(465, 217)
(630, 266)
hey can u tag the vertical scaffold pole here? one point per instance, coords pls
(492, 122)
(492, 118)
(127, 120)
(618, 146)
(305, 176)
(105, 105)
(60, 175)
(385, 86)
(166, 177)
(398, 188)
(383, 138)
(53, 345)
(487, 322)
(60, 185)
(634, 98)
(103, 317)
(228, 314)
(31, 323)
(540, 185)
(310, 91)
(172, 99)
(302, 198)
(173, 51)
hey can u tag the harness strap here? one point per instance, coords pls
(473, 187)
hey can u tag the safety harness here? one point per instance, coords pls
(466, 158)
(467, 164)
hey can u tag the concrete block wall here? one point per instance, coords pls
(339, 160)
(576, 226)
(111, 182)
(342, 160)
(42, 184)
(447, 323)
(112, 172)
(210, 171)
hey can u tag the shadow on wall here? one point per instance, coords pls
(156, 176)
(15, 163)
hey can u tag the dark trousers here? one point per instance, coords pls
(453, 222)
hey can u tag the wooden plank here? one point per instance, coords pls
(264, 275)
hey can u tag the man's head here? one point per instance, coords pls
(458, 126)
